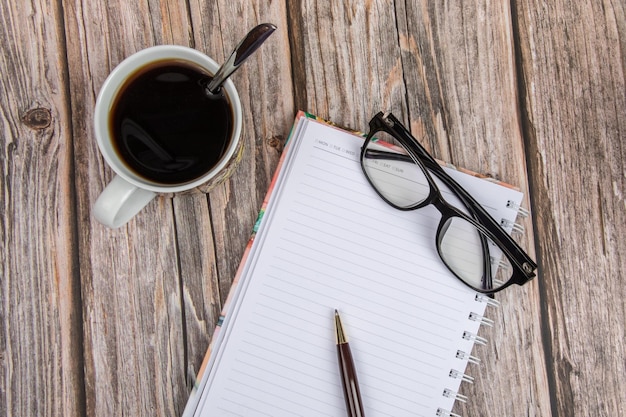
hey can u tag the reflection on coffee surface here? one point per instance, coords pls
(165, 127)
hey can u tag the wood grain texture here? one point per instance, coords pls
(130, 277)
(153, 290)
(348, 60)
(573, 63)
(458, 61)
(40, 341)
(102, 322)
(265, 90)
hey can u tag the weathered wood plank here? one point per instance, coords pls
(133, 316)
(458, 60)
(461, 76)
(448, 71)
(40, 315)
(151, 292)
(265, 90)
(347, 63)
(574, 89)
(160, 281)
(199, 276)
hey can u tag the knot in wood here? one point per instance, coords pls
(275, 142)
(38, 118)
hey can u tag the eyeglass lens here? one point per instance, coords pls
(464, 248)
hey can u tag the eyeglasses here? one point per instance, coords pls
(469, 241)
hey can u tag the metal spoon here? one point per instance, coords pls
(242, 51)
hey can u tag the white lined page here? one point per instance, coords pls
(327, 241)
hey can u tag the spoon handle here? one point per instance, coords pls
(242, 51)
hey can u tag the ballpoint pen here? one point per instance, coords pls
(349, 380)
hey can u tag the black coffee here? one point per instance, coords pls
(165, 127)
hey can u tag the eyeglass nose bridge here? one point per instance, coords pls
(447, 212)
(439, 202)
(436, 198)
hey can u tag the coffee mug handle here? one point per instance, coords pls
(119, 202)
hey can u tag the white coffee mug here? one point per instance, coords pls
(129, 192)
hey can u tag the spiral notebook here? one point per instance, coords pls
(324, 241)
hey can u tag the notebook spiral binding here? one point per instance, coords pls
(445, 413)
(514, 227)
(484, 321)
(474, 338)
(482, 298)
(521, 211)
(452, 394)
(471, 359)
(481, 319)
(460, 375)
(467, 335)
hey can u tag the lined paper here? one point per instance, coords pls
(328, 241)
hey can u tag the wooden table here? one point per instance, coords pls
(100, 322)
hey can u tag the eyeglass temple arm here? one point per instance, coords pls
(467, 199)
(478, 210)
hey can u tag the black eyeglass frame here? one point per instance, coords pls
(523, 266)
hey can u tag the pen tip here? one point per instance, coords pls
(341, 336)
